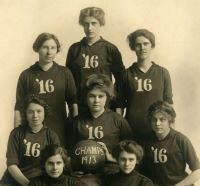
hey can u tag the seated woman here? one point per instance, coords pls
(54, 160)
(167, 151)
(100, 123)
(127, 153)
(26, 142)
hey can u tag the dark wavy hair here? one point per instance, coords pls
(37, 99)
(95, 12)
(128, 146)
(101, 82)
(54, 149)
(44, 37)
(163, 107)
(131, 38)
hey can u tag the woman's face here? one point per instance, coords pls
(143, 48)
(54, 166)
(35, 116)
(91, 27)
(96, 100)
(127, 162)
(48, 51)
(160, 124)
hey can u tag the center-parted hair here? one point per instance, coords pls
(131, 38)
(52, 150)
(101, 82)
(44, 37)
(163, 107)
(95, 12)
(128, 146)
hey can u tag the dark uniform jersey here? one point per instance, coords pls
(56, 85)
(132, 179)
(109, 128)
(165, 161)
(62, 180)
(138, 90)
(24, 149)
(100, 58)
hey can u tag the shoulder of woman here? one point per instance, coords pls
(110, 46)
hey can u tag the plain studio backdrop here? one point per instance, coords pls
(175, 24)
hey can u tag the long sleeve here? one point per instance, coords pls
(70, 93)
(122, 91)
(167, 87)
(21, 91)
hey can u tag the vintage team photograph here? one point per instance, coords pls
(100, 93)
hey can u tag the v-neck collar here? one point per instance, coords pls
(136, 67)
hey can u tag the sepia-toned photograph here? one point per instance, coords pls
(100, 93)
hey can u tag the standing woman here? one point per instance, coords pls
(143, 83)
(93, 54)
(52, 81)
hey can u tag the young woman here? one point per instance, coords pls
(93, 54)
(100, 123)
(167, 151)
(26, 142)
(54, 160)
(128, 153)
(52, 81)
(143, 83)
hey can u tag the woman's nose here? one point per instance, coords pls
(35, 114)
(126, 162)
(158, 122)
(96, 99)
(90, 26)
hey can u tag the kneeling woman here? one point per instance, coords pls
(100, 123)
(167, 151)
(26, 142)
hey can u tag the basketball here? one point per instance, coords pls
(88, 156)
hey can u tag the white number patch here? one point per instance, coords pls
(45, 86)
(143, 85)
(159, 155)
(32, 149)
(90, 62)
(95, 132)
